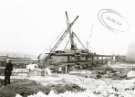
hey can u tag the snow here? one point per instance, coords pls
(47, 71)
(94, 87)
(31, 66)
(87, 93)
(131, 74)
(18, 95)
(103, 87)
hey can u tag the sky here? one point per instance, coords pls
(32, 26)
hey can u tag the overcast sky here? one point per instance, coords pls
(32, 26)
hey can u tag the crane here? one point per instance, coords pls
(66, 32)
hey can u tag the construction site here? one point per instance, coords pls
(71, 71)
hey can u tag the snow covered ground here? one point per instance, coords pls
(122, 65)
(94, 87)
(103, 87)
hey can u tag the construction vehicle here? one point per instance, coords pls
(73, 57)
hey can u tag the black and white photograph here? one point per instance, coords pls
(67, 48)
